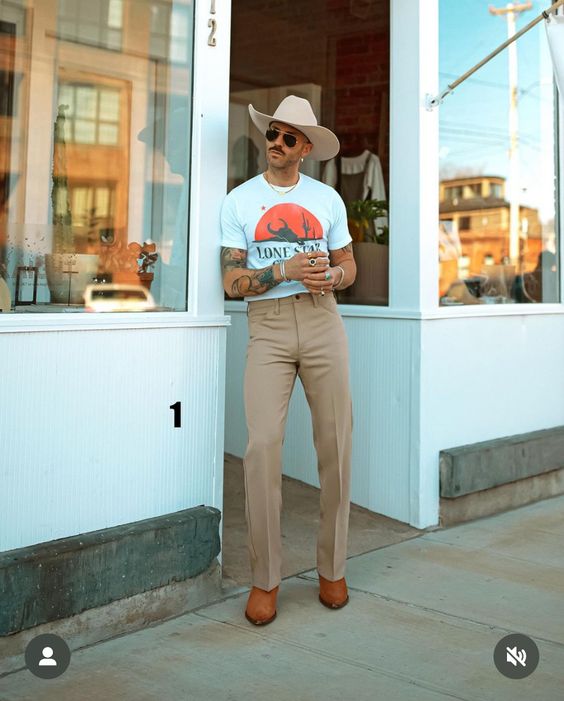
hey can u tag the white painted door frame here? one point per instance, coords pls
(208, 172)
(414, 159)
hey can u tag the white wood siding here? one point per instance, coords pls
(384, 370)
(88, 438)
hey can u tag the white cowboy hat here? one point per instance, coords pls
(297, 112)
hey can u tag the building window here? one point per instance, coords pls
(93, 212)
(170, 27)
(464, 266)
(453, 193)
(94, 22)
(502, 190)
(110, 133)
(473, 190)
(93, 114)
(7, 65)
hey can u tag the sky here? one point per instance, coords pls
(474, 119)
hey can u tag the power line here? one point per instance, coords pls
(523, 137)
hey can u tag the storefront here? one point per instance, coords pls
(123, 122)
(457, 344)
(111, 141)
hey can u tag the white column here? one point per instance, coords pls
(414, 170)
(558, 64)
(208, 177)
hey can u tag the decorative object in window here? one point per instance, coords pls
(64, 262)
(130, 264)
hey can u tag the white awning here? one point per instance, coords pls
(555, 33)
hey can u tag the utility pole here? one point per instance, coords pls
(511, 11)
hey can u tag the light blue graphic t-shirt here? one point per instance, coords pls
(273, 227)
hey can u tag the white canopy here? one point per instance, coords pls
(555, 32)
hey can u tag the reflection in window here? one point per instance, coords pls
(93, 114)
(95, 22)
(463, 223)
(170, 27)
(497, 164)
(93, 211)
(94, 163)
(453, 193)
(463, 266)
(8, 113)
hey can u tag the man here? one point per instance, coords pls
(285, 247)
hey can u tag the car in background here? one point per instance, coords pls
(114, 297)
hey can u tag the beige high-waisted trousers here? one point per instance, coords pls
(300, 334)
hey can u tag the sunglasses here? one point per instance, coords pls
(289, 139)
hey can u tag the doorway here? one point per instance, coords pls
(336, 54)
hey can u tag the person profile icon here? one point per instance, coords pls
(46, 660)
(47, 656)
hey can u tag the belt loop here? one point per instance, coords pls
(315, 300)
(277, 310)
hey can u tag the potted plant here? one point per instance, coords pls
(68, 272)
(147, 257)
(370, 249)
(130, 264)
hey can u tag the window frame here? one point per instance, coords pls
(518, 308)
(206, 168)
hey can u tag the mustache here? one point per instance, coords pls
(277, 150)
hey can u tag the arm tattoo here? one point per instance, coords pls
(341, 254)
(258, 281)
(232, 258)
(252, 281)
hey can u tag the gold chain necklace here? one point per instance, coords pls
(285, 192)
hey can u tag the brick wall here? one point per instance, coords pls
(342, 45)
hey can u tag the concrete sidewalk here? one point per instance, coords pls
(422, 624)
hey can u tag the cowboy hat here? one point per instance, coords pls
(297, 113)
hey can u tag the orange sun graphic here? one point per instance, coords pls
(289, 223)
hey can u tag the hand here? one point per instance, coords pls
(315, 282)
(299, 268)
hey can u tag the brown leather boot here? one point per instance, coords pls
(261, 606)
(334, 595)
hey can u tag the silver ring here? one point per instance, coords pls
(312, 261)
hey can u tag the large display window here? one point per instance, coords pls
(95, 122)
(498, 235)
(336, 55)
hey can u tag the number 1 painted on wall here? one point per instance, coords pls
(177, 418)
